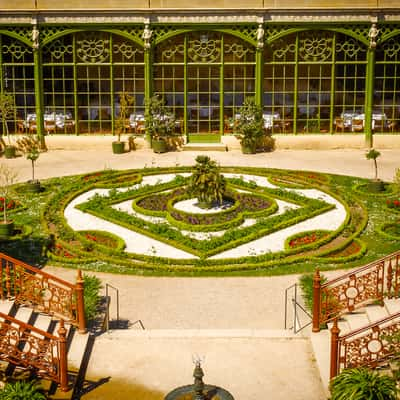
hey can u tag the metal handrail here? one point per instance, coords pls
(353, 349)
(31, 286)
(46, 353)
(108, 305)
(295, 305)
(378, 279)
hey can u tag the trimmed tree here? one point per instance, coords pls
(206, 182)
(373, 154)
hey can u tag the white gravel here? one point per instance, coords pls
(141, 244)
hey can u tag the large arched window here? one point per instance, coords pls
(387, 87)
(312, 80)
(17, 78)
(204, 76)
(83, 75)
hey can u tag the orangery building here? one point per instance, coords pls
(314, 66)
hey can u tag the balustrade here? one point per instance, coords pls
(368, 346)
(369, 283)
(30, 286)
(24, 345)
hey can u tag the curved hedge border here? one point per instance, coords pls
(113, 260)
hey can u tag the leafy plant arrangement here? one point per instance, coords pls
(304, 238)
(126, 103)
(22, 390)
(159, 122)
(249, 127)
(306, 282)
(7, 111)
(362, 383)
(92, 285)
(207, 183)
(7, 179)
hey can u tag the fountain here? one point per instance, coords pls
(199, 390)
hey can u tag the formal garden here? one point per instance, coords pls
(153, 220)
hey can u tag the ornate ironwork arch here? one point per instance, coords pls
(66, 31)
(161, 34)
(26, 38)
(274, 34)
(390, 34)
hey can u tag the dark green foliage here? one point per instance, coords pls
(363, 384)
(249, 128)
(92, 286)
(22, 390)
(206, 182)
(159, 119)
(306, 284)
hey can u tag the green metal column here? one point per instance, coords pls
(369, 96)
(148, 75)
(259, 76)
(39, 96)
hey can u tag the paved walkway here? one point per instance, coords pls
(237, 321)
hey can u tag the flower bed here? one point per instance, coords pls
(393, 204)
(305, 238)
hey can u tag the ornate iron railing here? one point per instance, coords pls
(30, 286)
(368, 346)
(355, 289)
(29, 347)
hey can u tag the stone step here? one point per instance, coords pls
(205, 147)
(356, 320)
(376, 312)
(6, 306)
(392, 305)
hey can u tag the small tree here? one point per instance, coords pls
(7, 110)
(159, 119)
(373, 154)
(7, 179)
(30, 146)
(249, 128)
(206, 182)
(126, 103)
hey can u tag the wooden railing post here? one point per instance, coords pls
(316, 302)
(80, 303)
(62, 333)
(334, 348)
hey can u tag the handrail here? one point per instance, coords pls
(367, 346)
(25, 345)
(30, 286)
(108, 306)
(371, 282)
(296, 305)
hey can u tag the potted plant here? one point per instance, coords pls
(207, 183)
(376, 185)
(126, 102)
(7, 178)
(249, 127)
(159, 122)
(7, 110)
(30, 146)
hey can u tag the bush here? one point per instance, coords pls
(22, 390)
(306, 285)
(362, 384)
(92, 286)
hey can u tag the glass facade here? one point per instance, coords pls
(307, 80)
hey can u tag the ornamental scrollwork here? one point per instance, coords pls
(127, 50)
(369, 349)
(172, 50)
(238, 50)
(391, 48)
(17, 51)
(204, 49)
(350, 47)
(58, 49)
(315, 48)
(281, 48)
(93, 49)
(19, 346)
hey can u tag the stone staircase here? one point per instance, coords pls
(77, 345)
(348, 323)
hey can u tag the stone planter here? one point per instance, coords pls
(159, 145)
(248, 149)
(33, 186)
(118, 147)
(6, 229)
(10, 152)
